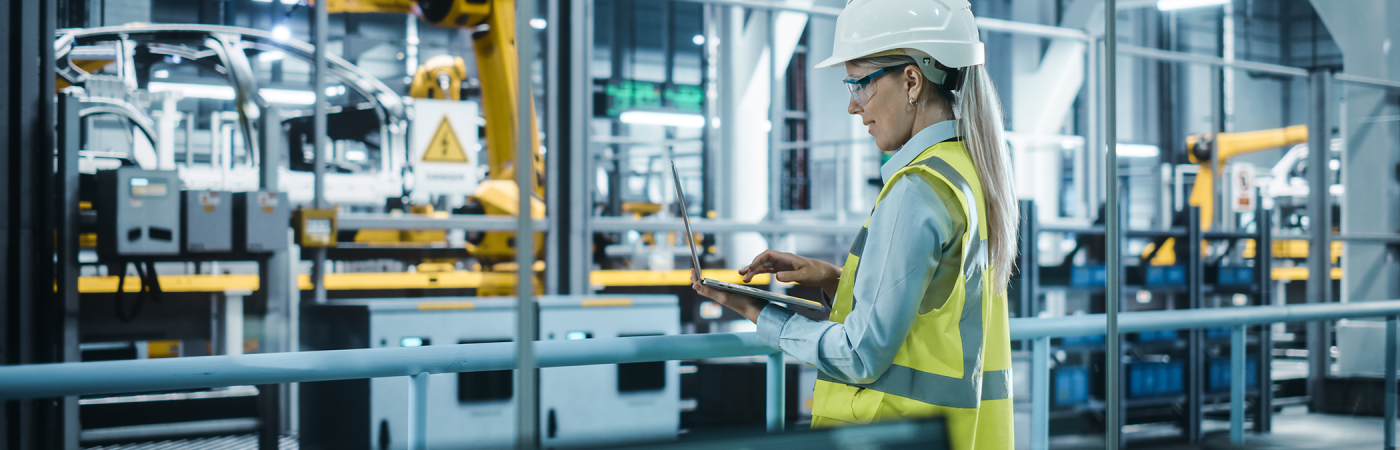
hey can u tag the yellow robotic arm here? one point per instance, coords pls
(439, 78)
(496, 62)
(1201, 148)
(493, 42)
(370, 6)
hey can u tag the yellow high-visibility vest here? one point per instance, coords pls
(956, 361)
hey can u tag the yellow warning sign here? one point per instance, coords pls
(445, 147)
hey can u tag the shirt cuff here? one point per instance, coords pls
(770, 324)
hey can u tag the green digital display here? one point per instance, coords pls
(630, 95)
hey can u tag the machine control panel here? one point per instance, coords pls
(138, 212)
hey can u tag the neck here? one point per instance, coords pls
(926, 117)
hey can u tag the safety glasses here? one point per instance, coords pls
(863, 88)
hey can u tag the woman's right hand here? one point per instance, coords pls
(791, 268)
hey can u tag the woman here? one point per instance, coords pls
(918, 326)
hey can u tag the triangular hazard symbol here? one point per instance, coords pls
(445, 147)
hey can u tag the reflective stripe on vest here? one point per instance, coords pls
(975, 385)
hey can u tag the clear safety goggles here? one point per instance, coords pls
(864, 87)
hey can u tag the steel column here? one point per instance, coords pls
(275, 272)
(270, 411)
(29, 316)
(1390, 368)
(1092, 159)
(1319, 247)
(1026, 262)
(1264, 407)
(1040, 394)
(775, 129)
(1196, 337)
(318, 141)
(777, 393)
(526, 386)
(1237, 383)
(554, 112)
(580, 191)
(67, 229)
(1112, 236)
(418, 412)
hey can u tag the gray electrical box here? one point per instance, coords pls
(207, 218)
(138, 212)
(596, 406)
(260, 221)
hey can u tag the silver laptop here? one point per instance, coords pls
(731, 287)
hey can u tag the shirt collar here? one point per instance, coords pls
(921, 141)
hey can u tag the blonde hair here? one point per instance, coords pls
(978, 109)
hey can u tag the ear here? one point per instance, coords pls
(914, 81)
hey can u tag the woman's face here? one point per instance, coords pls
(887, 112)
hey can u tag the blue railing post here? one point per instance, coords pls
(1040, 394)
(1237, 383)
(777, 390)
(418, 412)
(1390, 399)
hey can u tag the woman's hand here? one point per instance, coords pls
(790, 268)
(746, 306)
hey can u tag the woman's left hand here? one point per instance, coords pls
(746, 306)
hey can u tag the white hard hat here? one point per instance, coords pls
(928, 30)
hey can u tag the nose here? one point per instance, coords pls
(852, 107)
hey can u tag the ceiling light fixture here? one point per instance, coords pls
(663, 118)
(1137, 151)
(281, 33)
(216, 92)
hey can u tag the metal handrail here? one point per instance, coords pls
(615, 224)
(111, 377)
(469, 222)
(1092, 324)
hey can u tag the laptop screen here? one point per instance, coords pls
(685, 216)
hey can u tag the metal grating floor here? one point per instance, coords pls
(234, 442)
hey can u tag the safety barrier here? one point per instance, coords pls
(113, 377)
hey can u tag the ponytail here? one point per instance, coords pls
(981, 127)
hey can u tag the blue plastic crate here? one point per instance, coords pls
(1244, 275)
(1154, 379)
(1225, 276)
(1082, 341)
(1219, 379)
(1166, 275)
(1071, 385)
(1089, 275)
(1157, 336)
(1234, 275)
(1141, 381)
(1171, 374)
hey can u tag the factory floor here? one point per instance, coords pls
(1294, 429)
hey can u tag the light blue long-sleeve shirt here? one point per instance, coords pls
(911, 233)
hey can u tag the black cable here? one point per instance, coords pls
(122, 314)
(153, 281)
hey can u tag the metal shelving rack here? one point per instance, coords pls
(1193, 343)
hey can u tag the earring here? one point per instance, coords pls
(911, 101)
